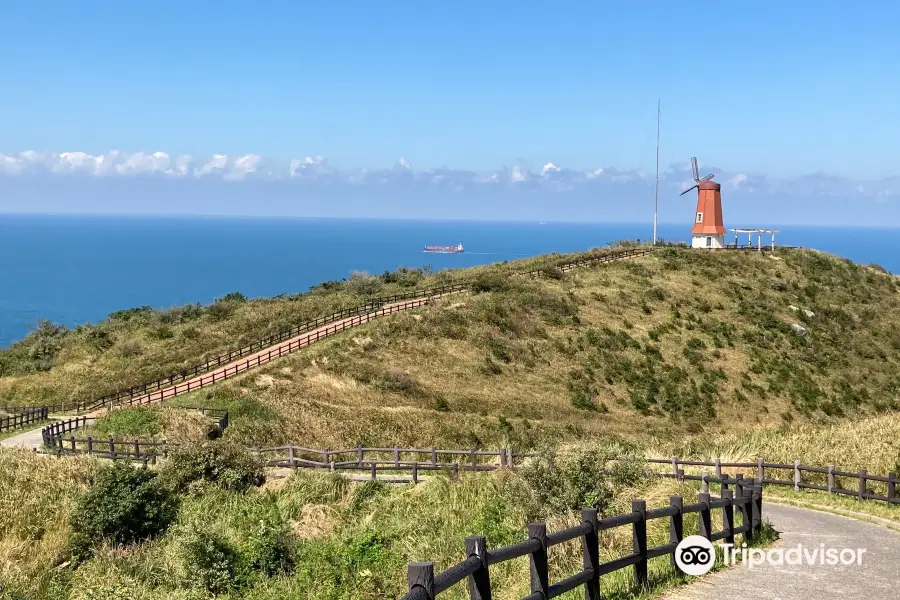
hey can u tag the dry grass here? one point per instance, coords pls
(677, 344)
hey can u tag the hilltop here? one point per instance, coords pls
(671, 344)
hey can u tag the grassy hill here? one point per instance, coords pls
(678, 342)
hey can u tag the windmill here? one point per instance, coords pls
(708, 230)
(697, 180)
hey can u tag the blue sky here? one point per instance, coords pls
(454, 109)
(781, 88)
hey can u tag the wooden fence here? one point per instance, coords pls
(231, 355)
(161, 384)
(824, 479)
(27, 417)
(55, 439)
(425, 584)
(375, 460)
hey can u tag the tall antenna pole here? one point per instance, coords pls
(656, 192)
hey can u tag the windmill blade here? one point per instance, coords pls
(708, 177)
(694, 168)
(693, 187)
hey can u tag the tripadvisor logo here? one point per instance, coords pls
(695, 555)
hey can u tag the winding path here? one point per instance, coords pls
(876, 578)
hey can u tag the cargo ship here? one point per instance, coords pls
(445, 249)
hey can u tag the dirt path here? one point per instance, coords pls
(875, 578)
(268, 354)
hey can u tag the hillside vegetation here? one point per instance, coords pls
(678, 342)
(79, 529)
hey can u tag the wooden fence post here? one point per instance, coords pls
(755, 496)
(796, 475)
(747, 513)
(704, 520)
(480, 580)
(891, 487)
(434, 457)
(830, 479)
(359, 454)
(590, 550)
(675, 466)
(421, 575)
(396, 456)
(724, 483)
(676, 527)
(739, 485)
(502, 454)
(540, 579)
(728, 516)
(639, 542)
(374, 471)
(474, 460)
(415, 472)
(862, 483)
(90, 443)
(704, 482)
(718, 468)
(679, 476)
(454, 471)
(760, 470)
(291, 457)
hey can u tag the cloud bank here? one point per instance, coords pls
(251, 184)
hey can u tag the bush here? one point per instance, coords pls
(489, 282)
(125, 505)
(223, 465)
(128, 422)
(584, 476)
(209, 562)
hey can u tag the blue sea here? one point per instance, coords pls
(78, 269)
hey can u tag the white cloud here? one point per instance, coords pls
(243, 166)
(517, 175)
(217, 164)
(737, 180)
(315, 169)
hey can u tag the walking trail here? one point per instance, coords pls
(875, 578)
(29, 439)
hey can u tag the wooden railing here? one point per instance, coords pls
(164, 383)
(824, 479)
(373, 460)
(425, 584)
(231, 355)
(56, 441)
(25, 417)
(273, 353)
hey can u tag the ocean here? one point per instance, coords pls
(78, 269)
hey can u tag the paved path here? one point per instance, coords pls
(877, 577)
(31, 438)
(265, 355)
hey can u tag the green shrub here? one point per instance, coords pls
(128, 422)
(489, 282)
(208, 560)
(124, 505)
(584, 476)
(221, 464)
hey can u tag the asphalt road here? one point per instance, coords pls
(878, 575)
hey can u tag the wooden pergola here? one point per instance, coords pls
(759, 233)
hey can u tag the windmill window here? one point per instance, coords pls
(699, 217)
(708, 241)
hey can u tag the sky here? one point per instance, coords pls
(781, 91)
